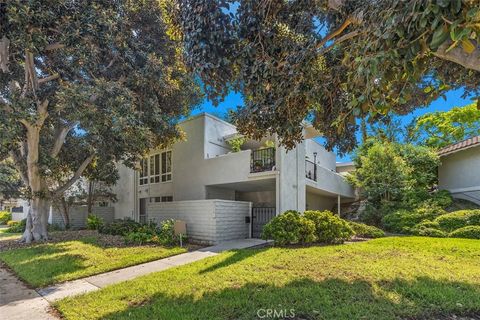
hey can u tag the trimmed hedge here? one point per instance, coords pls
(469, 232)
(291, 227)
(458, 219)
(328, 227)
(402, 221)
(366, 231)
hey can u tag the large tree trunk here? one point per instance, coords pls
(65, 214)
(91, 188)
(37, 220)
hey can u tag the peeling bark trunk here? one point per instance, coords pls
(65, 215)
(37, 221)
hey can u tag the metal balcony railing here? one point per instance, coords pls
(310, 170)
(262, 160)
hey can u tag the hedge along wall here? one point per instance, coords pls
(78, 216)
(208, 221)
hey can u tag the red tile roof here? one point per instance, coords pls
(465, 144)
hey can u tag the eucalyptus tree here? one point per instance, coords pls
(82, 80)
(329, 61)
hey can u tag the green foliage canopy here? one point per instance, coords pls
(440, 129)
(329, 61)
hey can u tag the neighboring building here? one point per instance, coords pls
(18, 208)
(459, 171)
(222, 194)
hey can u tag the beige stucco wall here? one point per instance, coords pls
(319, 202)
(460, 170)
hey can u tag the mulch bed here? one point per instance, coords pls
(104, 240)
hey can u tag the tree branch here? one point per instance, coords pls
(343, 38)
(60, 139)
(20, 165)
(49, 78)
(75, 177)
(42, 110)
(54, 46)
(4, 52)
(459, 56)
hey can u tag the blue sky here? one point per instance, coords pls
(233, 100)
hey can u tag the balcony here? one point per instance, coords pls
(262, 160)
(310, 170)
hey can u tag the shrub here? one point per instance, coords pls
(366, 231)
(138, 237)
(441, 199)
(289, 228)
(16, 226)
(402, 221)
(469, 232)
(5, 216)
(94, 222)
(458, 219)
(120, 227)
(328, 227)
(431, 232)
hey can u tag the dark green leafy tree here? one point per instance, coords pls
(11, 185)
(440, 129)
(85, 80)
(329, 61)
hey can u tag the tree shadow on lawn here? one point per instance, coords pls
(237, 256)
(423, 298)
(43, 264)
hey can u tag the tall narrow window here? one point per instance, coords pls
(155, 168)
(166, 166)
(143, 172)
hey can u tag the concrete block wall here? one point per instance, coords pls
(78, 216)
(208, 221)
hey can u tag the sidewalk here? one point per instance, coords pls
(17, 302)
(92, 283)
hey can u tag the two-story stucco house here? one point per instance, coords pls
(224, 195)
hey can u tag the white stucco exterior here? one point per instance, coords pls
(204, 167)
(459, 173)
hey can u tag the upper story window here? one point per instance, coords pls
(166, 166)
(156, 168)
(143, 172)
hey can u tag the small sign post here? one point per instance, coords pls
(180, 229)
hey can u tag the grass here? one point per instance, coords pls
(380, 279)
(4, 235)
(50, 263)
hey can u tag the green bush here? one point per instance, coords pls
(458, 219)
(442, 199)
(94, 222)
(366, 231)
(289, 228)
(16, 226)
(328, 227)
(469, 232)
(120, 227)
(138, 237)
(402, 221)
(5, 216)
(431, 232)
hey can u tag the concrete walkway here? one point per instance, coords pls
(17, 302)
(80, 286)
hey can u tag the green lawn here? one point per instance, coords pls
(379, 279)
(45, 264)
(4, 235)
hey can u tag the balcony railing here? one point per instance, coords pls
(310, 170)
(262, 160)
